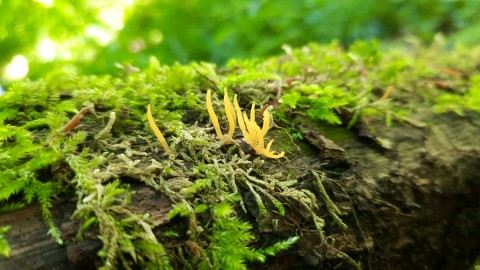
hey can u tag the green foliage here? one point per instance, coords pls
(255, 28)
(228, 241)
(236, 79)
(24, 158)
(33, 147)
(276, 203)
(170, 234)
(19, 34)
(321, 81)
(4, 247)
(459, 103)
(199, 185)
(318, 102)
(121, 231)
(260, 28)
(367, 52)
(280, 246)
(179, 210)
(258, 199)
(207, 182)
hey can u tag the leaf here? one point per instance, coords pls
(200, 208)
(291, 99)
(178, 210)
(11, 207)
(4, 247)
(222, 210)
(7, 114)
(319, 113)
(280, 246)
(66, 106)
(200, 184)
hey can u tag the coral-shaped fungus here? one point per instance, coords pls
(252, 134)
(157, 132)
(225, 138)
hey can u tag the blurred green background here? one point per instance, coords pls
(90, 36)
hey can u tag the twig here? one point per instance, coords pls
(76, 119)
(206, 78)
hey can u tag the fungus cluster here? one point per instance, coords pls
(252, 133)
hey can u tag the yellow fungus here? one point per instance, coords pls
(231, 117)
(252, 134)
(226, 138)
(212, 114)
(157, 132)
(387, 92)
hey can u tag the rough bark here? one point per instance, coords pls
(33, 248)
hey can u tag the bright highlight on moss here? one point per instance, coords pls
(226, 138)
(157, 132)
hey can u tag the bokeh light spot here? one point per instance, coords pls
(46, 49)
(17, 68)
(46, 3)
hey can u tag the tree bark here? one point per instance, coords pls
(33, 248)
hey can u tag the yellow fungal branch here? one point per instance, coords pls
(231, 117)
(157, 132)
(387, 92)
(252, 134)
(225, 138)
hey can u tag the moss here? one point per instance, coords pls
(4, 247)
(215, 188)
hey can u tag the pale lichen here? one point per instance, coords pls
(104, 133)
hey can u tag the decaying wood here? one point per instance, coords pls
(33, 248)
(413, 206)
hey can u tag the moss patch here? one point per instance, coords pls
(220, 192)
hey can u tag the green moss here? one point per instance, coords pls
(212, 186)
(4, 247)
(470, 101)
